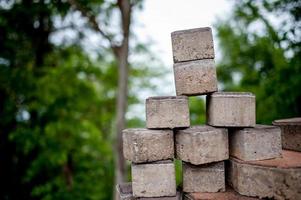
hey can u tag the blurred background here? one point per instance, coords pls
(74, 73)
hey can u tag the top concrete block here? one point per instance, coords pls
(167, 112)
(192, 44)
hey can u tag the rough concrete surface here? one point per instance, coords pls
(195, 77)
(290, 133)
(231, 109)
(154, 179)
(204, 178)
(146, 145)
(278, 178)
(258, 143)
(202, 144)
(192, 44)
(167, 112)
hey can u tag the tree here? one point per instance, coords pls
(262, 56)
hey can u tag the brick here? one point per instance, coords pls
(278, 178)
(167, 112)
(229, 194)
(192, 44)
(125, 192)
(290, 133)
(154, 179)
(202, 144)
(231, 109)
(146, 145)
(259, 143)
(195, 77)
(204, 178)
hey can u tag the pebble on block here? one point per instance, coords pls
(259, 143)
(278, 178)
(195, 77)
(125, 192)
(154, 179)
(290, 133)
(231, 109)
(146, 145)
(204, 178)
(202, 144)
(192, 44)
(167, 112)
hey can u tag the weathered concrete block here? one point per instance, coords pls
(278, 178)
(231, 109)
(204, 178)
(195, 77)
(202, 144)
(259, 143)
(290, 133)
(192, 44)
(230, 194)
(154, 179)
(146, 145)
(167, 112)
(125, 192)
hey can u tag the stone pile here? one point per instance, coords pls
(256, 165)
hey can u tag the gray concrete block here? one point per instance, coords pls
(231, 109)
(204, 178)
(167, 112)
(290, 133)
(278, 178)
(146, 145)
(192, 44)
(125, 192)
(154, 179)
(202, 144)
(195, 77)
(258, 143)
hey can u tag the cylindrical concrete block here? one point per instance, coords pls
(258, 143)
(290, 133)
(202, 144)
(145, 145)
(231, 109)
(278, 178)
(195, 77)
(192, 44)
(167, 112)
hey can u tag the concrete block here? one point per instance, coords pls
(195, 77)
(229, 194)
(125, 192)
(259, 143)
(290, 133)
(146, 145)
(278, 178)
(202, 144)
(204, 178)
(192, 44)
(231, 109)
(154, 179)
(167, 112)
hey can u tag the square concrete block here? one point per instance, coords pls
(167, 112)
(192, 44)
(125, 192)
(231, 109)
(202, 144)
(154, 179)
(259, 143)
(290, 133)
(195, 77)
(278, 178)
(146, 145)
(204, 178)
